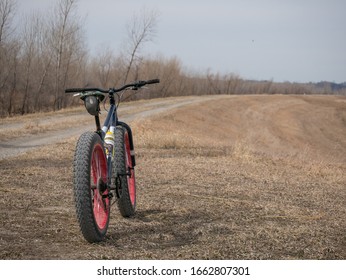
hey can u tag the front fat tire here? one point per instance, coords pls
(90, 163)
(122, 166)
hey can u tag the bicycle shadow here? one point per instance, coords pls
(159, 229)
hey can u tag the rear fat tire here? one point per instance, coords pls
(122, 168)
(90, 168)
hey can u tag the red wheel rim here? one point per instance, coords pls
(131, 183)
(98, 174)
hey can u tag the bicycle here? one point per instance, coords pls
(104, 162)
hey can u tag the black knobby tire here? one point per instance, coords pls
(90, 191)
(125, 173)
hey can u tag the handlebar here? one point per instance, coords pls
(155, 81)
(134, 86)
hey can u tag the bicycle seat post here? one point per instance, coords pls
(98, 125)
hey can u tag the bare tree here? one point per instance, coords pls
(44, 65)
(8, 56)
(169, 71)
(213, 83)
(65, 45)
(141, 30)
(103, 66)
(7, 9)
(30, 54)
(232, 82)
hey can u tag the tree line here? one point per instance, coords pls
(47, 53)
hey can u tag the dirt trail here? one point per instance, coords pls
(35, 131)
(242, 177)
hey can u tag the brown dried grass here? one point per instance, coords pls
(206, 190)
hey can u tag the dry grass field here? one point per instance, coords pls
(237, 177)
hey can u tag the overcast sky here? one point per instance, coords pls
(283, 40)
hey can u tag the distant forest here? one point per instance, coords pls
(47, 54)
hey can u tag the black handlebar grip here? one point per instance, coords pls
(155, 81)
(68, 90)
